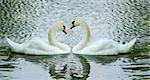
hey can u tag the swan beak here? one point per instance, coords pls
(72, 26)
(65, 31)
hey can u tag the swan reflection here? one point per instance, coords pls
(72, 67)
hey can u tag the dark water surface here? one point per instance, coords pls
(75, 67)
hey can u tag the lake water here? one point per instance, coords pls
(75, 67)
(120, 20)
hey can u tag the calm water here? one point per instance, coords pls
(75, 67)
(120, 20)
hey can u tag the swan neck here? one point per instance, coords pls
(86, 36)
(51, 37)
(53, 41)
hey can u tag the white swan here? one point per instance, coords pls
(37, 46)
(100, 47)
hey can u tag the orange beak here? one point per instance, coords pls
(72, 26)
(65, 31)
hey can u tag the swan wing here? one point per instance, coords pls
(111, 51)
(99, 45)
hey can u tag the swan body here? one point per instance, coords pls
(106, 47)
(38, 46)
(101, 47)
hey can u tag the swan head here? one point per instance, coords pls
(59, 26)
(77, 21)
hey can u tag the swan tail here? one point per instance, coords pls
(131, 43)
(15, 46)
(128, 46)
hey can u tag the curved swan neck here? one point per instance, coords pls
(52, 39)
(85, 38)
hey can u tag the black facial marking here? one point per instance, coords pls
(64, 27)
(73, 22)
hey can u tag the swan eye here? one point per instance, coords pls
(73, 22)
